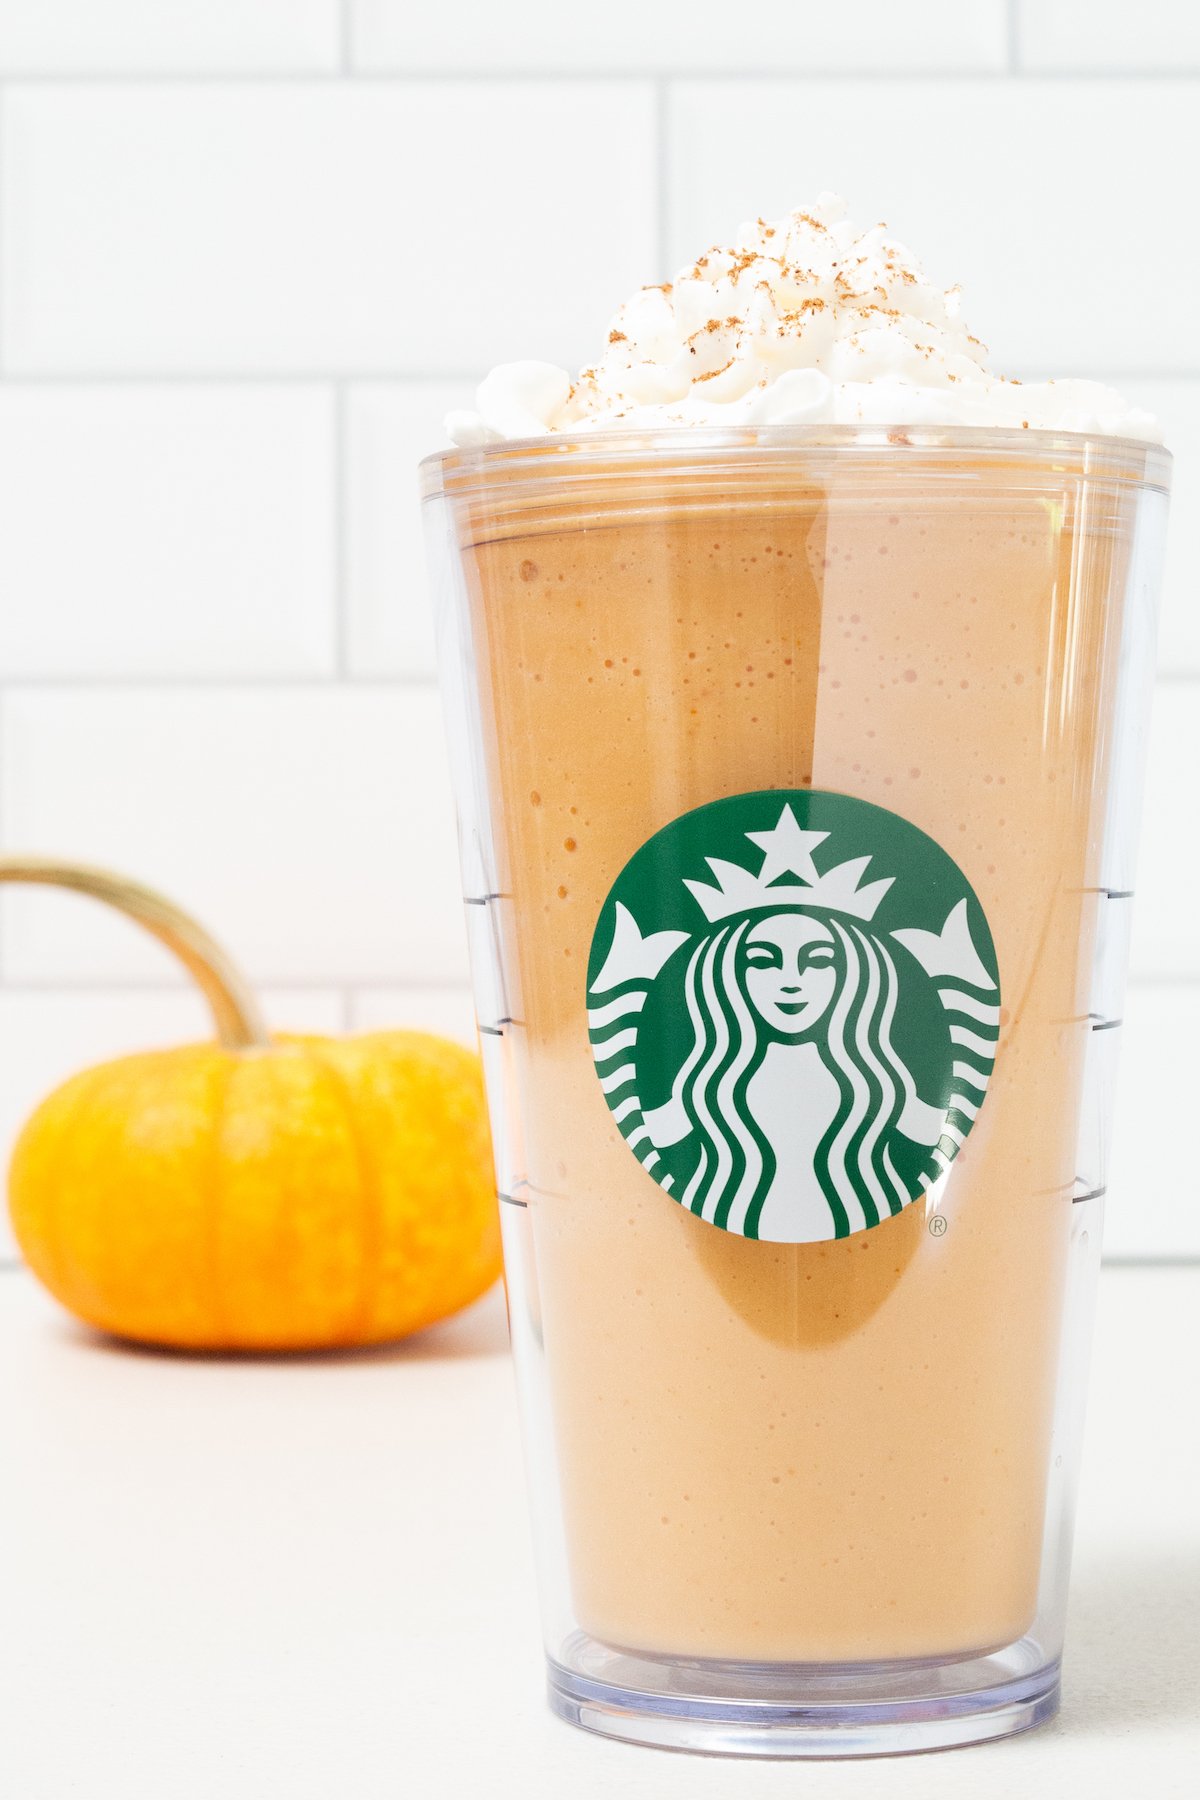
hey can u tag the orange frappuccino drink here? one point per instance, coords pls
(792, 750)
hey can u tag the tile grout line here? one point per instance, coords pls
(345, 994)
(1013, 24)
(288, 682)
(1157, 1262)
(345, 39)
(427, 377)
(1123, 1260)
(166, 377)
(321, 686)
(578, 74)
(357, 985)
(1187, 1259)
(353, 986)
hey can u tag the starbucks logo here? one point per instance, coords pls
(793, 1006)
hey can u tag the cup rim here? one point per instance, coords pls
(681, 449)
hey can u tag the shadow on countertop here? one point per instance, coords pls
(480, 1330)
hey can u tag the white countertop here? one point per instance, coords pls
(311, 1580)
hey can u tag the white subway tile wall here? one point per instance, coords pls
(1176, 402)
(251, 251)
(173, 532)
(447, 1010)
(311, 827)
(389, 427)
(1067, 242)
(1165, 944)
(163, 36)
(314, 227)
(704, 35)
(1158, 36)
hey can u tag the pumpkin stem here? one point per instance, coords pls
(235, 1011)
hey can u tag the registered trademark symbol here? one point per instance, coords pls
(937, 1225)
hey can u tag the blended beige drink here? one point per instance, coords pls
(796, 748)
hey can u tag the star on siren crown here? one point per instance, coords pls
(788, 877)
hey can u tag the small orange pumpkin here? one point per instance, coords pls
(258, 1193)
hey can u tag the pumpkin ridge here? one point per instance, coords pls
(89, 1080)
(213, 1186)
(372, 1204)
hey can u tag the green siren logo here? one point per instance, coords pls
(792, 1050)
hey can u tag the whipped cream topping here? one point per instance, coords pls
(807, 320)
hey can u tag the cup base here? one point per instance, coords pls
(803, 1709)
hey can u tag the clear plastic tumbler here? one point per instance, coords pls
(798, 779)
